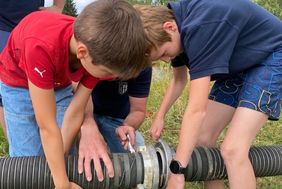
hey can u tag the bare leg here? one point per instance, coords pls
(217, 117)
(245, 124)
(2, 121)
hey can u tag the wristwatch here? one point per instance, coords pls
(176, 167)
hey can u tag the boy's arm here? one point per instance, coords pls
(137, 112)
(74, 116)
(192, 121)
(133, 120)
(81, 106)
(44, 105)
(92, 147)
(174, 90)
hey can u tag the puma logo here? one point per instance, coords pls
(38, 71)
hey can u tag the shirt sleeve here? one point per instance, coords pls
(89, 81)
(209, 48)
(140, 86)
(38, 64)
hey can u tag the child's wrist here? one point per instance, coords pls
(160, 116)
(64, 185)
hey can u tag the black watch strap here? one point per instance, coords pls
(176, 167)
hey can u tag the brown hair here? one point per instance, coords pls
(153, 18)
(114, 35)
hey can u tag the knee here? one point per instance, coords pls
(233, 153)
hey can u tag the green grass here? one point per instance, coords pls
(269, 134)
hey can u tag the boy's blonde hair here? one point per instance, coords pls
(153, 18)
(114, 35)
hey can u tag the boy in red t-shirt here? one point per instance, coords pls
(44, 54)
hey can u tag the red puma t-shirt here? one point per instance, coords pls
(38, 50)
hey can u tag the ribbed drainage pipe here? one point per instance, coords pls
(207, 163)
(33, 173)
(149, 166)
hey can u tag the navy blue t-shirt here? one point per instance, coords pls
(223, 37)
(12, 11)
(111, 98)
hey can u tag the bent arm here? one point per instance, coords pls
(137, 112)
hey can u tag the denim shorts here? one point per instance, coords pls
(258, 88)
(107, 126)
(22, 129)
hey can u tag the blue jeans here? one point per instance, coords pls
(258, 88)
(22, 129)
(107, 126)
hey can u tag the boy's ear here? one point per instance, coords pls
(170, 26)
(81, 51)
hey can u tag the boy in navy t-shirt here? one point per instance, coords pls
(119, 109)
(238, 44)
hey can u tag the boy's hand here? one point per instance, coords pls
(126, 134)
(156, 129)
(176, 181)
(92, 147)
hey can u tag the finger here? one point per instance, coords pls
(154, 138)
(122, 135)
(109, 165)
(125, 146)
(87, 168)
(98, 169)
(132, 138)
(80, 164)
(152, 130)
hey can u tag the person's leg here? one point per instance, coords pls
(220, 110)
(3, 40)
(107, 127)
(22, 130)
(245, 124)
(217, 117)
(140, 141)
(2, 119)
(63, 99)
(259, 99)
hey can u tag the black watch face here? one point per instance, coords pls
(175, 167)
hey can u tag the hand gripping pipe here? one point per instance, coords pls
(149, 166)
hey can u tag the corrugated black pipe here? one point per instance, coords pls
(207, 163)
(149, 166)
(33, 173)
